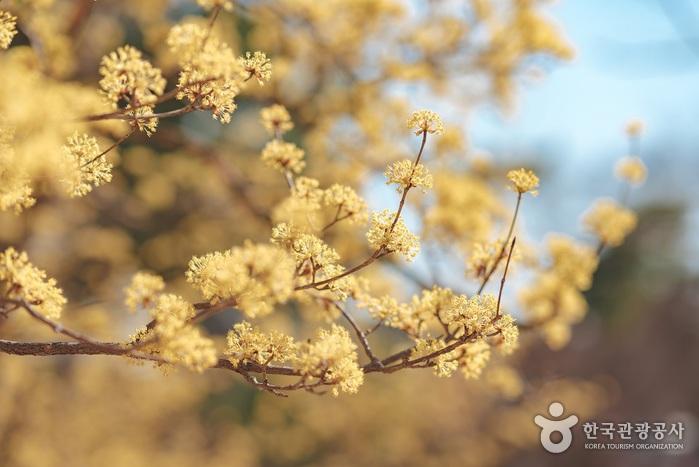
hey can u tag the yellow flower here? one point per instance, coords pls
(632, 170)
(211, 4)
(475, 358)
(524, 181)
(256, 66)
(332, 355)
(128, 80)
(8, 29)
(276, 119)
(20, 280)
(211, 76)
(346, 202)
(397, 238)
(89, 167)
(247, 343)
(405, 175)
(634, 128)
(444, 364)
(15, 185)
(175, 339)
(256, 276)
(143, 290)
(610, 222)
(283, 156)
(425, 121)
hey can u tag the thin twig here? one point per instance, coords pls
(360, 334)
(103, 153)
(504, 276)
(501, 253)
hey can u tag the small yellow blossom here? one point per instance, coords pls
(128, 80)
(247, 343)
(301, 208)
(524, 181)
(634, 128)
(444, 364)
(276, 119)
(15, 185)
(177, 341)
(315, 260)
(142, 120)
(475, 314)
(383, 233)
(572, 262)
(8, 29)
(483, 257)
(332, 356)
(406, 175)
(346, 202)
(610, 221)
(557, 334)
(256, 65)
(89, 167)
(143, 290)
(256, 276)
(283, 156)
(632, 170)
(211, 4)
(510, 334)
(475, 358)
(20, 280)
(171, 314)
(191, 349)
(425, 121)
(211, 75)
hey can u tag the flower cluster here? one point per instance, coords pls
(256, 65)
(389, 232)
(346, 202)
(20, 280)
(524, 181)
(634, 128)
(475, 358)
(177, 341)
(88, 166)
(276, 119)
(332, 356)
(610, 221)
(445, 364)
(410, 319)
(478, 316)
(554, 299)
(425, 121)
(405, 174)
(210, 76)
(143, 290)
(631, 170)
(483, 257)
(211, 4)
(255, 276)
(283, 156)
(128, 80)
(8, 29)
(247, 343)
(15, 190)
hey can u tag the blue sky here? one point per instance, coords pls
(631, 61)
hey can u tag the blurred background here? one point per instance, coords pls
(547, 85)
